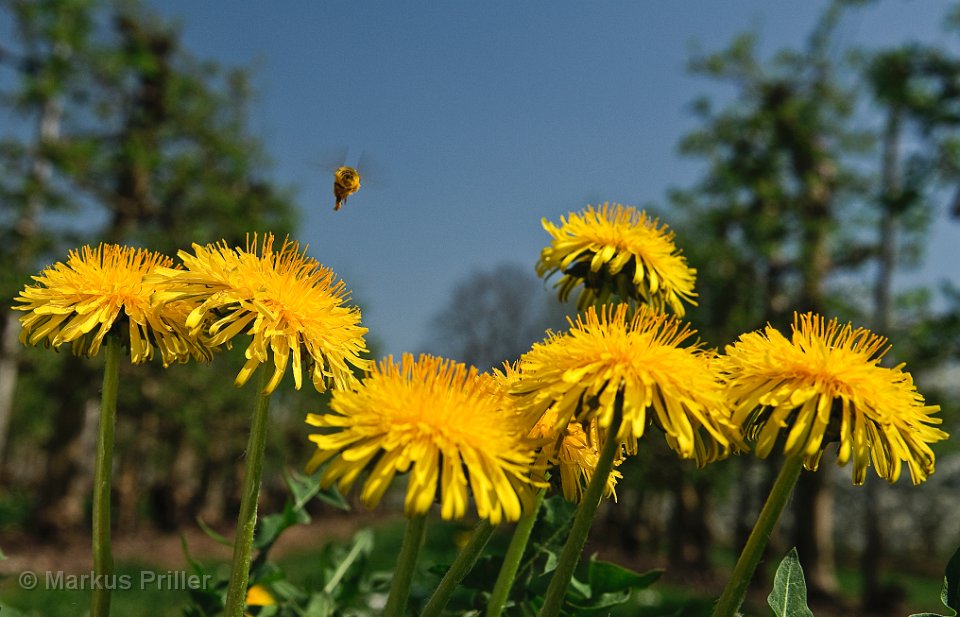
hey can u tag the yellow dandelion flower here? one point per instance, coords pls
(97, 289)
(582, 372)
(289, 303)
(451, 428)
(258, 595)
(824, 384)
(573, 453)
(617, 250)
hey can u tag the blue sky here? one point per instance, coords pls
(480, 118)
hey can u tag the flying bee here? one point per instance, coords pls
(346, 182)
(347, 173)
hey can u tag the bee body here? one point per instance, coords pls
(346, 182)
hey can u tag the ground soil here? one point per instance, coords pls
(161, 550)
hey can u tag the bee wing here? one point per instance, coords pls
(372, 173)
(330, 158)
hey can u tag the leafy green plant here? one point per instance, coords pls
(950, 594)
(789, 595)
(598, 587)
(344, 583)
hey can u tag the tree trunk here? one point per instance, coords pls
(701, 539)
(62, 503)
(218, 482)
(9, 371)
(186, 480)
(814, 532)
(680, 496)
(872, 555)
(813, 498)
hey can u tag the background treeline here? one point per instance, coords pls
(113, 132)
(821, 175)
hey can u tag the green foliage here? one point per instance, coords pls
(118, 134)
(598, 587)
(15, 508)
(345, 578)
(778, 172)
(344, 581)
(607, 585)
(65, 602)
(951, 583)
(303, 489)
(807, 203)
(789, 595)
(950, 594)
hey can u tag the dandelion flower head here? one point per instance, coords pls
(607, 355)
(574, 453)
(97, 289)
(616, 249)
(452, 429)
(258, 595)
(824, 384)
(290, 304)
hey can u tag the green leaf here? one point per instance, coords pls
(331, 496)
(608, 577)
(193, 563)
(551, 563)
(789, 595)
(271, 526)
(9, 611)
(951, 583)
(608, 585)
(302, 487)
(320, 606)
(362, 546)
(950, 594)
(213, 534)
(578, 589)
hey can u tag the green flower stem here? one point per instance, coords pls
(247, 520)
(511, 561)
(736, 589)
(461, 565)
(589, 503)
(102, 480)
(406, 563)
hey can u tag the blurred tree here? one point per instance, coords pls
(47, 79)
(136, 143)
(47, 76)
(794, 207)
(916, 87)
(765, 214)
(494, 316)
